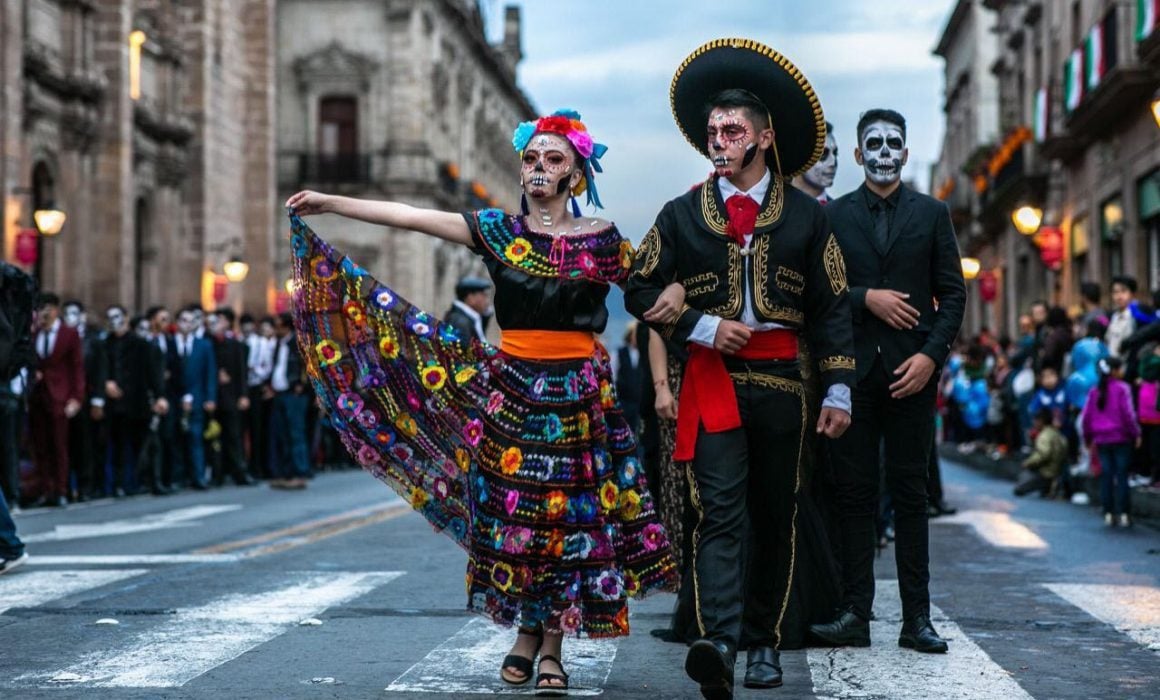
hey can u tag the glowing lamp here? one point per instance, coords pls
(236, 270)
(290, 286)
(49, 221)
(1027, 219)
(1156, 107)
(971, 267)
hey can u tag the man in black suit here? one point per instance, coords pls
(901, 256)
(232, 357)
(470, 311)
(87, 428)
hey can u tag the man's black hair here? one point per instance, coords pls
(75, 302)
(152, 311)
(118, 307)
(246, 318)
(829, 128)
(1044, 416)
(228, 314)
(136, 321)
(47, 299)
(192, 306)
(286, 319)
(1129, 282)
(1091, 292)
(754, 108)
(881, 115)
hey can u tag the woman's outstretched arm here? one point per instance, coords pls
(448, 226)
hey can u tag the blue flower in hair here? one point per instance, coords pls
(523, 134)
(569, 113)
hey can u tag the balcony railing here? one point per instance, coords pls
(297, 169)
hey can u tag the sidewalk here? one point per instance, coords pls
(1145, 501)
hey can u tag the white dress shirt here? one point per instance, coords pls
(46, 340)
(278, 379)
(261, 359)
(705, 332)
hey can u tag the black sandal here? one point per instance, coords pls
(552, 690)
(521, 663)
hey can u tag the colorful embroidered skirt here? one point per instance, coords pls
(530, 466)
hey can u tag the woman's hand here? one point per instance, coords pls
(666, 405)
(308, 202)
(668, 307)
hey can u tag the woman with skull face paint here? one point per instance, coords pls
(520, 453)
(903, 256)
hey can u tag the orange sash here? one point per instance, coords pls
(548, 345)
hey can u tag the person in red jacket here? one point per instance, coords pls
(57, 392)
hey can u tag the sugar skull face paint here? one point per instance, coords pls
(883, 152)
(733, 140)
(118, 320)
(143, 328)
(549, 166)
(821, 175)
(73, 315)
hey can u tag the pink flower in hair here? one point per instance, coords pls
(583, 143)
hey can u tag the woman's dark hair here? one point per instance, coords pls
(1045, 416)
(1110, 364)
(1090, 291)
(1057, 316)
(1096, 329)
(754, 108)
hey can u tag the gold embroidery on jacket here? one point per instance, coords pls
(649, 252)
(701, 284)
(732, 306)
(835, 265)
(790, 280)
(837, 362)
(719, 223)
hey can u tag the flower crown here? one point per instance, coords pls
(566, 122)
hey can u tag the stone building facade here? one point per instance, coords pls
(1078, 142)
(150, 124)
(403, 100)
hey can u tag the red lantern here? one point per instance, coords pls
(221, 285)
(281, 302)
(1050, 242)
(988, 285)
(26, 251)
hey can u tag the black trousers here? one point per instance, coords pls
(11, 430)
(233, 457)
(87, 449)
(746, 483)
(126, 437)
(904, 427)
(258, 424)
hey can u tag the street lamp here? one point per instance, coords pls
(1156, 106)
(49, 221)
(1027, 219)
(290, 286)
(971, 267)
(236, 270)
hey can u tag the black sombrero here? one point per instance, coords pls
(723, 64)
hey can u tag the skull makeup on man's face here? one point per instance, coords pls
(187, 322)
(883, 152)
(198, 318)
(73, 315)
(118, 320)
(548, 166)
(143, 328)
(821, 175)
(732, 140)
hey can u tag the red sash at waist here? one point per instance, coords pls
(707, 395)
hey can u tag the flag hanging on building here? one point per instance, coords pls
(1073, 80)
(1147, 16)
(1042, 114)
(1094, 52)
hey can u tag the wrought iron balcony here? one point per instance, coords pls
(296, 169)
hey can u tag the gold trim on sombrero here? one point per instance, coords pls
(781, 61)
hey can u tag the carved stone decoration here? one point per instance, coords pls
(335, 64)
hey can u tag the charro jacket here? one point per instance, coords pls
(793, 267)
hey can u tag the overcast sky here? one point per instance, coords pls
(614, 60)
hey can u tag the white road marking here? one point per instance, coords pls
(1132, 610)
(180, 517)
(886, 670)
(468, 663)
(195, 640)
(1000, 529)
(27, 589)
(130, 559)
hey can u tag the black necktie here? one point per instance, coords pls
(881, 222)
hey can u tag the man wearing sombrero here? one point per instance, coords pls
(760, 267)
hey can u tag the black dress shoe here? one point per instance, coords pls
(59, 501)
(199, 486)
(711, 665)
(246, 481)
(918, 634)
(849, 630)
(762, 668)
(161, 491)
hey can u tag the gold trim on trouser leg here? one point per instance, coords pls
(771, 381)
(695, 501)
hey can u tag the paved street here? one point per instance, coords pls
(340, 592)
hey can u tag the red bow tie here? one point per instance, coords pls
(742, 217)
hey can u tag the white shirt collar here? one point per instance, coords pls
(756, 193)
(471, 313)
(54, 328)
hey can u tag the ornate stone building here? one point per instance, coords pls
(402, 100)
(149, 123)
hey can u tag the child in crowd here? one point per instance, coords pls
(1109, 423)
(1050, 396)
(1045, 464)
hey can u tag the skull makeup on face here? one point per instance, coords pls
(198, 318)
(142, 328)
(187, 322)
(118, 320)
(732, 140)
(73, 315)
(821, 175)
(549, 166)
(883, 152)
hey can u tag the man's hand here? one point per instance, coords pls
(209, 406)
(731, 336)
(161, 406)
(666, 405)
(244, 403)
(97, 412)
(71, 408)
(891, 307)
(113, 390)
(186, 405)
(668, 307)
(267, 392)
(223, 377)
(913, 376)
(833, 422)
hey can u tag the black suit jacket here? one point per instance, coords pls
(96, 364)
(231, 355)
(137, 367)
(920, 258)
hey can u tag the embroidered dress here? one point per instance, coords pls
(528, 465)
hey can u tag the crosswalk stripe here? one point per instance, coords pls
(469, 663)
(195, 640)
(999, 529)
(178, 517)
(886, 670)
(129, 559)
(1132, 610)
(26, 589)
